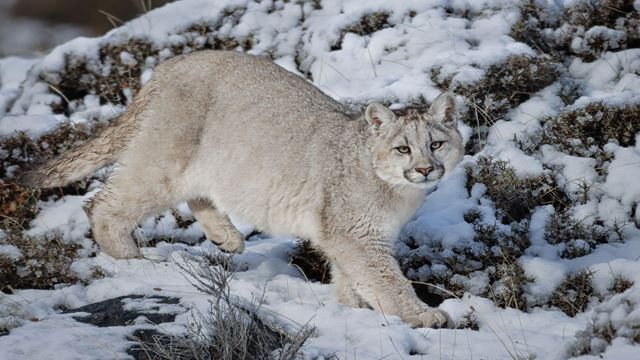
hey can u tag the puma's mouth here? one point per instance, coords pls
(420, 179)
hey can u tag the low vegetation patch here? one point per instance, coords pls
(574, 294)
(514, 197)
(586, 130)
(504, 86)
(610, 320)
(577, 238)
(487, 267)
(585, 28)
(37, 262)
(508, 84)
(508, 281)
(229, 331)
(369, 23)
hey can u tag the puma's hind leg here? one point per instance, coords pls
(217, 226)
(116, 210)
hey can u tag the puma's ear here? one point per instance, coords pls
(443, 109)
(378, 115)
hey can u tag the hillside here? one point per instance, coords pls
(532, 244)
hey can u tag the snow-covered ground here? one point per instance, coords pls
(405, 58)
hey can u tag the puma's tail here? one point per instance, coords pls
(85, 159)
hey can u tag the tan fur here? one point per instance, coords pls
(234, 133)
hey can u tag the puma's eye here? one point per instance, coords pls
(436, 145)
(403, 149)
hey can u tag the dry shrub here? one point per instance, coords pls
(509, 83)
(620, 284)
(80, 78)
(618, 17)
(577, 237)
(585, 131)
(528, 29)
(44, 262)
(494, 252)
(514, 197)
(508, 281)
(311, 261)
(18, 205)
(369, 23)
(504, 86)
(586, 29)
(613, 319)
(574, 294)
(366, 25)
(230, 330)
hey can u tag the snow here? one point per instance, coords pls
(32, 125)
(546, 274)
(393, 64)
(613, 78)
(622, 181)
(13, 71)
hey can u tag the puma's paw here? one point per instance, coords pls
(431, 317)
(236, 247)
(233, 243)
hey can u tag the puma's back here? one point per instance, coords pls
(240, 126)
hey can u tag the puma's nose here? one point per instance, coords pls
(424, 170)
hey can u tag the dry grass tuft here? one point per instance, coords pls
(231, 330)
(620, 284)
(18, 205)
(510, 83)
(574, 294)
(493, 255)
(508, 280)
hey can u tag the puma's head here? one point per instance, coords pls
(415, 148)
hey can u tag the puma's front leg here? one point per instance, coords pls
(372, 271)
(344, 289)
